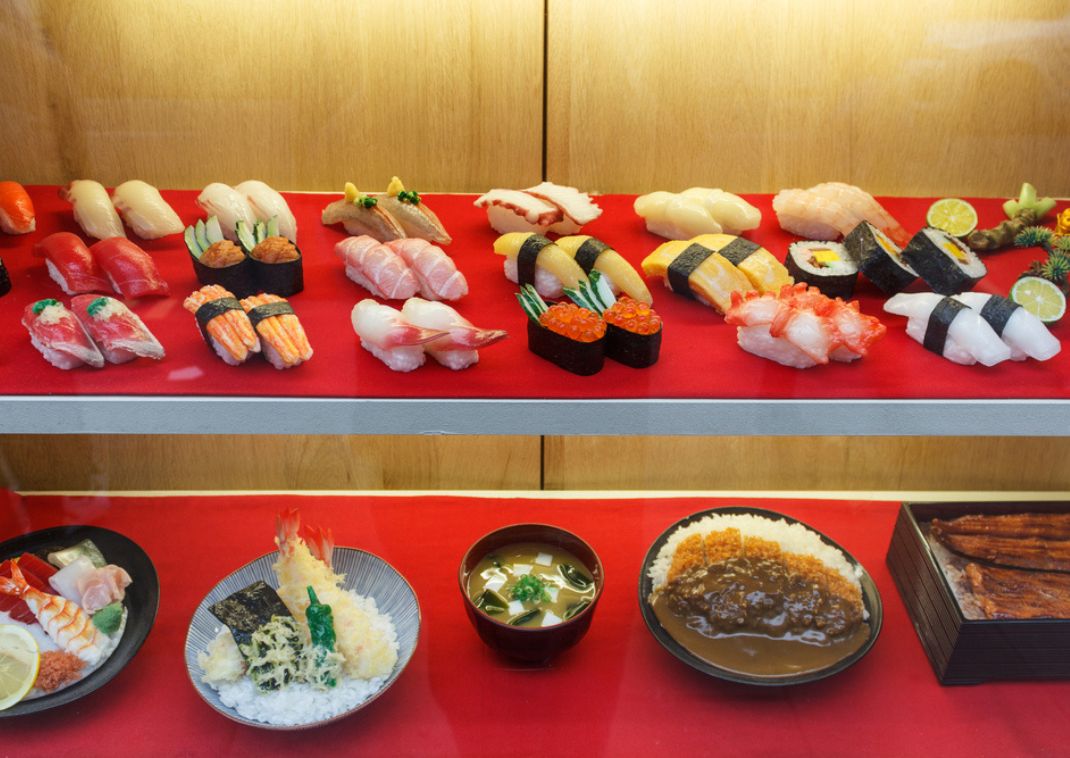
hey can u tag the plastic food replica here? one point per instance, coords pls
(396, 214)
(546, 208)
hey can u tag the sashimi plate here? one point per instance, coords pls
(366, 574)
(142, 601)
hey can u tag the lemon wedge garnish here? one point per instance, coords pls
(20, 659)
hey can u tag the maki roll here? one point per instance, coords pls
(564, 334)
(880, 259)
(275, 261)
(223, 324)
(633, 328)
(943, 261)
(761, 267)
(217, 260)
(825, 265)
(281, 334)
(5, 280)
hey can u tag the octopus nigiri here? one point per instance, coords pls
(377, 268)
(93, 209)
(60, 336)
(457, 350)
(435, 271)
(16, 209)
(145, 211)
(389, 336)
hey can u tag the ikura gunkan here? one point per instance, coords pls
(531, 584)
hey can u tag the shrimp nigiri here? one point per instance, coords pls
(387, 335)
(377, 268)
(833, 209)
(223, 323)
(145, 211)
(16, 209)
(435, 271)
(458, 349)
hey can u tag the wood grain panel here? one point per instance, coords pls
(960, 97)
(807, 463)
(121, 462)
(445, 93)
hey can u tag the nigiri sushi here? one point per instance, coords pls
(412, 213)
(456, 350)
(565, 334)
(435, 271)
(228, 205)
(698, 210)
(761, 267)
(544, 208)
(387, 335)
(93, 209)
(830, 210)
(60, 336)
(71, 264)
(1025, 334)
(696, 271)
(268, 204)
(144, 210)
(577, 208)
(131, 270)
(949, 328)
(377, 268)
(533, 259)
(864, 206)
(16, 209)
(223, 323)
(282, 338)
(118, 332)
(275, 262)
(594, 255)
(361, 215)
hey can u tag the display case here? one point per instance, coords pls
(197, 462)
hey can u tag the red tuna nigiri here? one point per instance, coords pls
(16, 209)
(60, 336)
(131, 271)
(70, 264)
(16, 607)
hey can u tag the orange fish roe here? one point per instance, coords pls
(571, 321)
(633, 316)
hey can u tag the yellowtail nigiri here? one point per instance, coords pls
(360, 214)
(695, 271)
(533, 259)
(592, 253)
(761, 267)
(412, 214)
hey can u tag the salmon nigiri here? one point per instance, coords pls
(377, 268)
(16, 209)
(435, 271)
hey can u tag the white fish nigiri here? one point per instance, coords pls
(969, 338)
(228, 205)
(695, 211)
(377, 268)
(145, 211)
(1023, 332)
(458, 349)
(385, 333)
(93, 209)
(267, 204)
(435, 271)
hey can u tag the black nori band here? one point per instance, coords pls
(214, 308)
(526, 257)
(267, 310)
(686, 262)
(738, 250)
(939, 321)
(588, 253)
(997, 312)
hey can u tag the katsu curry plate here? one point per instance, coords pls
(756, 597)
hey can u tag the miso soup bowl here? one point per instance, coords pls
(531, 644)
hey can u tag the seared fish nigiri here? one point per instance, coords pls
(360, 214)
(412, 214)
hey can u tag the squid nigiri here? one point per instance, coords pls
(145, 211)
(377, 268)
(71, 264)
(131, 270)
(533, 259)
(223, 323)
(117, 330)
(60, 336)
(949, 328)
(387, 335)
(282, 337)
(360, 214)
(692, 270)
(457, 350)
(228, 205)
(593, 254)
(93, 209)
(1025, 334)
(412, 213)
(268, 204)
(16, 209)
(435, 271)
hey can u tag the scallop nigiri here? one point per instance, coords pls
(377, 268)
(594, 255)
(16, 209)
(389, 336)
(533, 259)
(119, 333)
(458, 349)
(60, 336)
(71, 264)
(268, 204)
(145, 211)
(93, 209)
(435, 271)
(228, 205)
(361, 215)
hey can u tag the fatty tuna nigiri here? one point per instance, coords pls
(145, 211)
(60, 336)
(387, 335)
(71, 264)
(130, 269)
(457, 349)
(377, 268)
(16, 209)
(117, 330)
(435, 271)
(93, 209)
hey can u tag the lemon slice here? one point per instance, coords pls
(1040, 297)
(956, 217)
(20, 657)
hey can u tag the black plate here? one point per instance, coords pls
(871, 599)
(142, 600)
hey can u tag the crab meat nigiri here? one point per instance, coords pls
(385, 333)
(458, 349)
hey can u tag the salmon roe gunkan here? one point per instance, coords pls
(571, 321)
(633, 316)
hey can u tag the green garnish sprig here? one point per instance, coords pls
(366, 201)
(409, 196)
(594, 294)
(530, 301)
(1034, 236)
(530, 588)
(40, 305)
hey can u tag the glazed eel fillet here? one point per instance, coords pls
(1049, 526)
(1029, 541)
(1011, 594)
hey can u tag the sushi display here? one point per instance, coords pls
(435, 271)
(533, 259)
(411, 213)
(457, 348)
(70, 607)
(217, 260)
(825, 265)
(879, 259)
(59, 335)
(944, 262)
(274, 261)
(282, 338)
(593, 254)
(223, 324)
(377, 268)
(229, 206)
(70, 264)
(697, 272)
(695, 211)
(800, 327)
(268, 204)
(633, 328)
(93, 209)
(16, 209)
(546, 208)
(117, 331)
(568, 335)
(130, 270)
(831, 210)
(396, 214)
(1022, 212)
(145, 211)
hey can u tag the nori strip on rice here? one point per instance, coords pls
(261, 312)
(238, 277)
(248, 609)
(944, 274)
(683, 265)
(939, 322)
(879, 266)
(526, 257)
(214, 308)
(587, 253)
(997, 312)
(581, 358)
(5, 280)
(738, 250)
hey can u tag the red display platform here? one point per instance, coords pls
(618, 693)
(699, 356)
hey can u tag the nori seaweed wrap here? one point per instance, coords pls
(580, 358)
(5, 280)
(946, 264)
(633, 333)
(275, 261)
(248, 609)
(825, 265)
(879, 259)
(217, 260)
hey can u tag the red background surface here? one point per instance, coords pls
(699, 356)
(617, 693)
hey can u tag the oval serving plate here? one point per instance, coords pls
(366, 574)
(871, 599)
(142, 601)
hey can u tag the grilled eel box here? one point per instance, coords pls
(987, 587)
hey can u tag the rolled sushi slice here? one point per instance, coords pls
(360, 214)
(70, 264)
(217, 260)
(949, 328)
(1025, 334)
(223, 323)
(60, 336)
(248, 609)
(825, 265)
(535, 260)
(565, 334)
(633, 328)
(697, 272)
(458, 348)
(93, 209)
(377, 268)
(118, 332)
(275, 261)
(879, 258)
(761, 267)
(412, 213)
(945, 262)
(145, 211)
(282, 338)
(389, 336)
(595, 255)
(131, 270)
